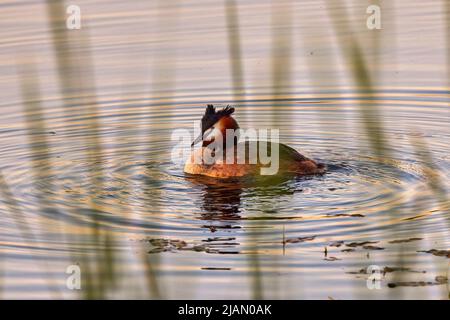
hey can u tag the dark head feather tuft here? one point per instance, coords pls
(211, 116)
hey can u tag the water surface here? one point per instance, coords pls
(88, 176)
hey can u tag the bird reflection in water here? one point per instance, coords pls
(222, 201)
(221, 206)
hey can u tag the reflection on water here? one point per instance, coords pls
(88, 178)
(221, 203)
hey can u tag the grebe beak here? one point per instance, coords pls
(197, 140)
(202, 136)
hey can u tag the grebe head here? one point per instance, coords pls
(216, 123)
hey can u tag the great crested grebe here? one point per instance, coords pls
(213, 158)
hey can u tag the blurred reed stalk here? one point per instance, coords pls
(281, 52)
(162, 79)
(429, 168)
(238, 89)
(446, 5)
(281, 69)
(37, 133)
(433, 179)
(355, 59)
(1, 279)
(447, 33)
(371, 115)
(234, 48)
(26, 232)
(75, 75)
(40, 150)
(281, 46)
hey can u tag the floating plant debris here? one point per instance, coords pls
(331, 259)
(336, 244)
(387, 270)
(215, 227)
(167, 244)
(405, 240)
(219, 239)
(360, 271)
(346, 215)
(213, 250)
(212, 244)
(300, 239)
(209, 246)
(360, 244)
(158, 250)
(199, 248)
(439, 253)
(372, 248)
(401, 269)
(439, 280)
(214, 268)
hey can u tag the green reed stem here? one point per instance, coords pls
(75, 72)
(355, 59)
(234, 47)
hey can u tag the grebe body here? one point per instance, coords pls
(231, 163)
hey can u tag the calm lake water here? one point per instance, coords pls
(85, 151)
